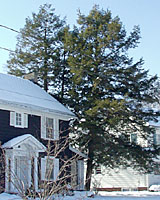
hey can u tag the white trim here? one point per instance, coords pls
(16, 107)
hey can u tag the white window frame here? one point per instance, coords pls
(13, 119)
(55, 131)
(55, 168)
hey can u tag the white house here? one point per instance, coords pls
(127, 178)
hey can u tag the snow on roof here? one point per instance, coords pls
(24, 92)
(77, 152)
(17, 140)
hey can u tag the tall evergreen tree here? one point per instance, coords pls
(40, 49)
(110, 92)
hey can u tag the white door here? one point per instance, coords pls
(22, 171)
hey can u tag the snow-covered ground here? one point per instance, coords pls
(145, 195)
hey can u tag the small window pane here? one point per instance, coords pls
(49, 169)
(49, 128)
(18, 119)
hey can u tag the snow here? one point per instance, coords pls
(155, 188)
(17, 91)
(5, 196)
(144, 195)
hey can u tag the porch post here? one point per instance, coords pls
(36, 172)
(12, 173)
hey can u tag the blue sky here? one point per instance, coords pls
(145, 13)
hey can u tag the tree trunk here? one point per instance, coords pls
(63, 78)
(89, 174)
(45, 63)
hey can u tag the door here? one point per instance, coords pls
(22, 172)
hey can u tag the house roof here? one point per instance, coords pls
(14, 90)
(21, 139)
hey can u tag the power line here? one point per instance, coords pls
(7, 49)
(11, 29)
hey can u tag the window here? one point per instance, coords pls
(157, 169)
(98, 170)
(133, 138)
(49, 168)
(50, 128)
(18, 119)
(156, 137)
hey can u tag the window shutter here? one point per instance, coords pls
(56, 129)
(12, 118)
(56, 168)
(43, 168)
(81, 174)
(25, 120)
(74, 174)
(43, 127)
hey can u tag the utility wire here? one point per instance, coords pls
(7, 49)
(11, 29)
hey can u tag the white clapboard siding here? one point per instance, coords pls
(124, 178)
(153, 179)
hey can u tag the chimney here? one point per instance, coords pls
(33, 76)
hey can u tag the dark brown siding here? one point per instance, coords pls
(8, 132)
